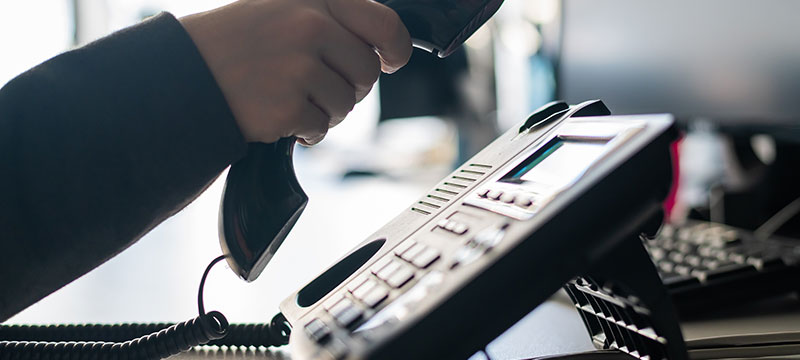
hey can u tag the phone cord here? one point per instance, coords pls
(149, 341)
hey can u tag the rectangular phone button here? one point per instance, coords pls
(362, 290)
(388, 270)
(346, 313)
(400, 277)
(376, 296)
(425, 258)
(317, 330)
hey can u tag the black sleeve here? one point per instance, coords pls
(98, 146)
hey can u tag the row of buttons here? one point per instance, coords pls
(346, 314)
(518, 199)
(453, 226)
(371, 292)
(479, 245)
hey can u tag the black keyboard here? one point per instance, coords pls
(709, 265)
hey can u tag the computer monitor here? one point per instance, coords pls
(730, 61)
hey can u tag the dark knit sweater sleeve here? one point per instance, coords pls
(98, 146)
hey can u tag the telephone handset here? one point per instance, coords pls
(262, 199)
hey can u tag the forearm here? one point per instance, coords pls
(99, 145)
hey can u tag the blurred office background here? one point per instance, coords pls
(729, 70)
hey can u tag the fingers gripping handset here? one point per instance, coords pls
(262, 199)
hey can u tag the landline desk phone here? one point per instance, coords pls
(561, 199)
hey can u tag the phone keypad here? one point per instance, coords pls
(363, 296)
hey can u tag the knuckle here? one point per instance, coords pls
(373, 71)
(350, 104)
(362, 93)
(368, 74)
(303, 68)
(293, 108)
(343, 108)
(312, 25)
(388, 23)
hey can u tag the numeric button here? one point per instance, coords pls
(425, 258)
(346, 313)
(375, 297)
(317, 330)
(400, 277)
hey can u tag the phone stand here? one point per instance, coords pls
(623, 302)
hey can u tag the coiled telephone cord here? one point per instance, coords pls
(138, 341)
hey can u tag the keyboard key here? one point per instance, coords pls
(675, 257)
(682, 270)
(692, 260)
(656, 253)
(677, 280)
(737, 258)
(722, 272)
(666, 266)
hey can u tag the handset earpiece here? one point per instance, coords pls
(441, 26)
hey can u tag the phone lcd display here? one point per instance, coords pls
(558, 164)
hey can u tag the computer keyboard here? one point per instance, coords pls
(709, 265)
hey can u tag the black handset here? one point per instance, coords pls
(262, 199)
(441, 26)
(261, 202)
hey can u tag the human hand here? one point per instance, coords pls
(297, 67)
